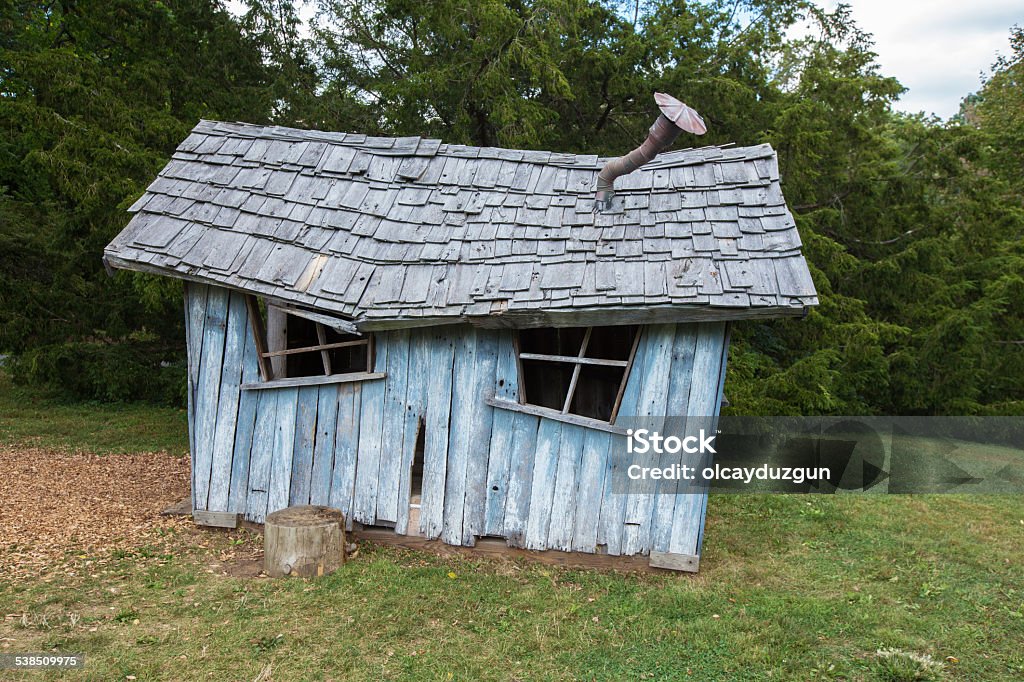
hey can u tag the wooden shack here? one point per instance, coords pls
(440, 339)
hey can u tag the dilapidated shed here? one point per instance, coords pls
(441, 339)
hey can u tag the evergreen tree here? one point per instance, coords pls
(94, 97)
(912, 226)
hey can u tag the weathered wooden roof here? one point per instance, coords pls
(407, 231)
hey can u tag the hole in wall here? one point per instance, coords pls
(416, 477)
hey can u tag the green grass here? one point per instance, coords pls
(790, 588)
(32, 417)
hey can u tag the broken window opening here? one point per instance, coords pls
(576, 370)
(293, 344)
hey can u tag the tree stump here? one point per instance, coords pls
(306, 541)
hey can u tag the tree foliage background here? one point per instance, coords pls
(913, 226)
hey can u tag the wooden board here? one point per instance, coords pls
(346, 444)
(302, 448)
(545, 467)
(226, 426)
(217, 519)
(371, 425)
(393, 431)
(479, 434)
(525, 430)
(436, 441)
(657, 371)
(313, 381)
(207, 392)
(324, 446)
(261, 457)
(246, 427)
(593, 468)
(282, 449)
(718, 405)
(463, 383)
(501, 451)
(412, 421)
(195, 319)
(675, 562)
(613, 505)
(683, 347)
(555, 415)
(701, 411)
(563, 500)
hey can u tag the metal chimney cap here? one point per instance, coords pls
(680, 114)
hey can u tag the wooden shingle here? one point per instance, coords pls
(413, 228)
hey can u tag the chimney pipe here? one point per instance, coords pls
(675, 117)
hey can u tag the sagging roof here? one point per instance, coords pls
(407, 231)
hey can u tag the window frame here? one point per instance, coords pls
(258, 325)
(577, 361)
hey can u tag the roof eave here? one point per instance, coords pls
(513, 318)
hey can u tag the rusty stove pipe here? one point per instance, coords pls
(675, 117)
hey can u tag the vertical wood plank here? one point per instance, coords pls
(549, 437)
(629, 370)
(258, 332)
(463, 383)
(247, 402)
(726, 332)
(499, 461)
(227, 404)
(284, 444)
(262, 456)
(613, 505)
(441, 372)
(700, 414)
(323, 447)
(588, 501)
(371, 424)
(571, 393)
(683, 349)
(277, 339)
(520, 478)
(563, 501)
(652, 405)
(195, 321)
(325, 356)
(196, 296)
(346, 446)
(501, 447)
(214, 333)
(479, 435)
(415, 398)
(302, 448)
(393, 432)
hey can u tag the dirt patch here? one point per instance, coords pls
(62, 507)
(242, 565)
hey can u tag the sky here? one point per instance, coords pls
(937, 48)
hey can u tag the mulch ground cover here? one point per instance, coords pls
(60, 512)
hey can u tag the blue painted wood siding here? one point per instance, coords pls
(539, 483)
